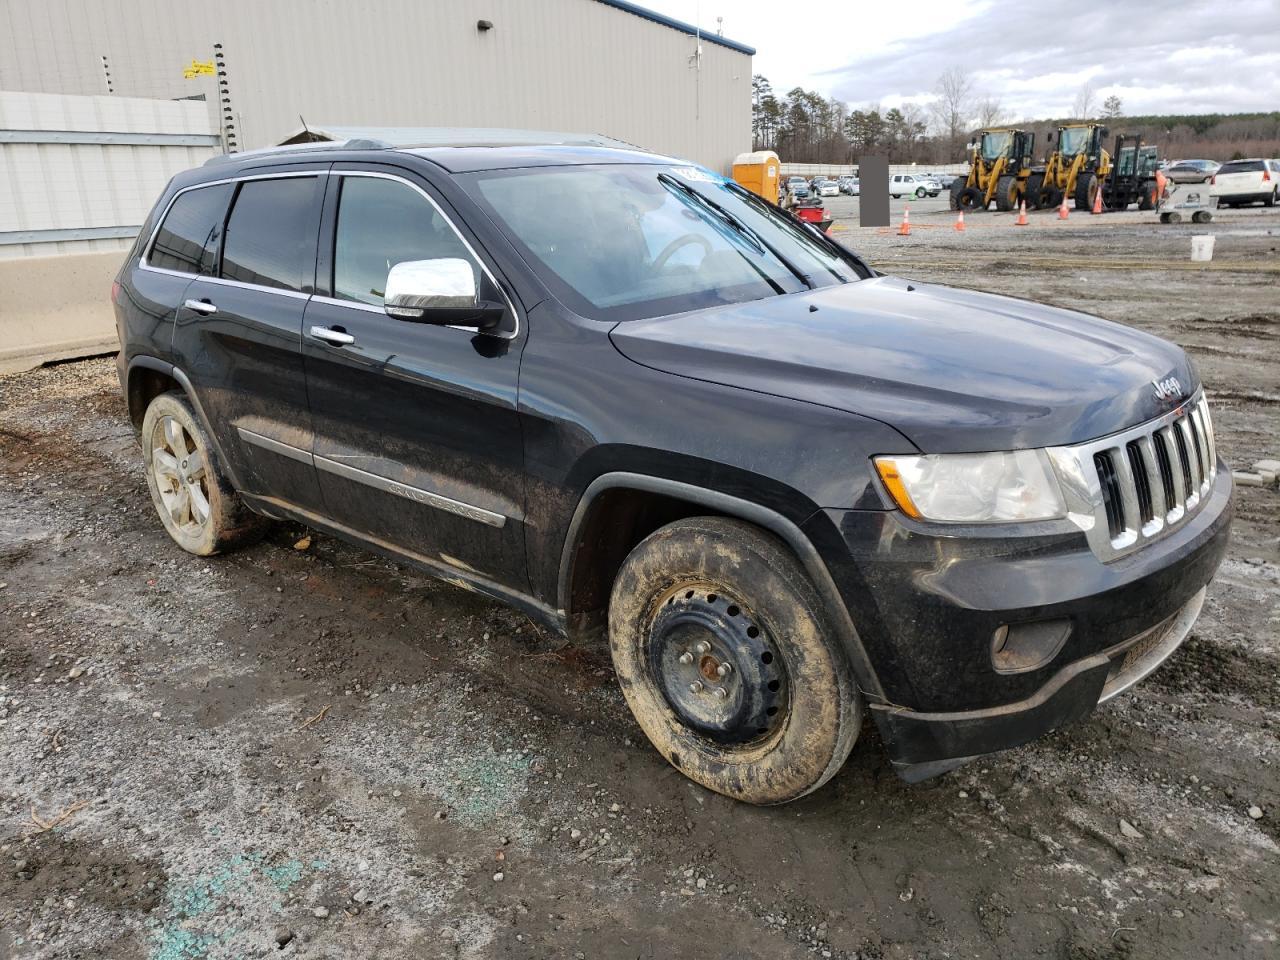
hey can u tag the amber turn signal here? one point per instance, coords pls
(888, 471)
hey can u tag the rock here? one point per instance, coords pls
(303, 544)
(614, 808)
(498, 877)
(283, 937)
(702, 883)
(320, 913)
(1255, 812)
(1244, 479)
(575, 833)
(76, 672)
(20, 865)
(362, 896)
(1176, 913)
(1129, 830)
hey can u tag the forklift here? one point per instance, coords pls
(999, 164)
(1133, 174)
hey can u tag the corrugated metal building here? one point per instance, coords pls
(594, 66)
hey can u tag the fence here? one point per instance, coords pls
(77, 178)
(851, 169)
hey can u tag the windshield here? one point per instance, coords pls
(625, 242)
(1073, 140)
(995, 145)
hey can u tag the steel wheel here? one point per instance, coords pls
(720, 672)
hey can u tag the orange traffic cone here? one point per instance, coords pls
(1062, 208)
(1022, 215)
(1097, 200)
(905, 229)
(960, 222)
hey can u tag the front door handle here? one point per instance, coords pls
(337, 337)
(201, 306)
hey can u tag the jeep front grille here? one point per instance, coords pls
(1136, 486)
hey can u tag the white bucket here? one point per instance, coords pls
(1202, 247)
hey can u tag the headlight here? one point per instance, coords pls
(974, 487)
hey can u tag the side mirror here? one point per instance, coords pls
(441, 292)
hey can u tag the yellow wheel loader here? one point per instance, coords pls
(1077, 168)
(999, 166)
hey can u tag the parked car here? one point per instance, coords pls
(944, 179)
(798, 190)
(1238, 182)
(1191, 171)
(829, 188)
(633, 399)
(908, 185)
(850, 186)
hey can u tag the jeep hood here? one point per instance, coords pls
(951, 369)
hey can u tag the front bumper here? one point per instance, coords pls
(926, 607)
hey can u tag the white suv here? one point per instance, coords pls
(906, 184)
(1246, 181)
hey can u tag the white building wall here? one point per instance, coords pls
(573, 65)
(79, 174)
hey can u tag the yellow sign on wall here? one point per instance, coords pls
(198, 68)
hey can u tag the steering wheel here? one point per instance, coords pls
(683, 240)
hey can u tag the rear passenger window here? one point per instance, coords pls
(187, 240)
(268, 241)
(382, 223)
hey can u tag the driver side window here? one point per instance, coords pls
(381, 223)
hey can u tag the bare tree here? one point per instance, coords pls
(991, 112)
(1083, 105)
(953, 108)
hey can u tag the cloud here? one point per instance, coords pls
(1179, 57)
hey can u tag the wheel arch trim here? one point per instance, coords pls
(769, 519)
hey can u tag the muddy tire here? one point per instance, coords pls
(953, 193)
(726, 657)
(196, 502)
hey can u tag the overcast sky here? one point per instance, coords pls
(1173, 57)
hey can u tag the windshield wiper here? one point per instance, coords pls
(799, 227)
(737, 225)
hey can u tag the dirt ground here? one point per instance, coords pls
(314, 753)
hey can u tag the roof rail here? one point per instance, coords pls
(362, 143)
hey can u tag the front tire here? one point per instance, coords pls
(1007, 193)
(725, 655)
(197, 504)
(1086, 190)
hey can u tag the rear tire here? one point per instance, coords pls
(971, 198)
(1035, 191)
(1007, 193)
(791, 710)
(953, 193)
(920, 193)
(197, 504)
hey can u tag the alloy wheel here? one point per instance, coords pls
(182, 476)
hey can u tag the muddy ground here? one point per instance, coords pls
(314, 753)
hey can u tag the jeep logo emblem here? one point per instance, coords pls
(1167, 389)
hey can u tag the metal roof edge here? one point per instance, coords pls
(680, 25)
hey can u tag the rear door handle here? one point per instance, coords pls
(201, 306)
(337, 337)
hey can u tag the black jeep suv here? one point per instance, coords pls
(626, 395)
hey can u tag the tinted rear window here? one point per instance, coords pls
(1243, 166)
(270, 233)
(187, 240)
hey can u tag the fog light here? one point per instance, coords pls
(1019, 647)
